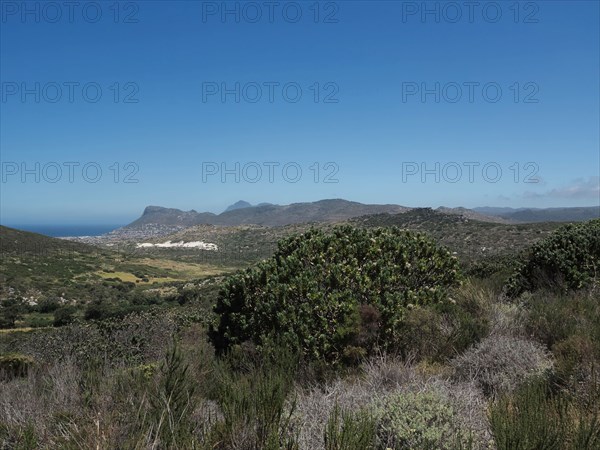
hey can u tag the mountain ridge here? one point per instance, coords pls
(336, 210)
(327, 210)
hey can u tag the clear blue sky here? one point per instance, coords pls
(373, 58)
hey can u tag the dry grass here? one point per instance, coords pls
(500, 363)
(127, 276)
(382, 377)
(184, 269)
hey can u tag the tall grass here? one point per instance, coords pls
(253, 397)
(347, 430)
(536, 418)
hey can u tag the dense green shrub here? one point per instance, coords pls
(9, 314)
(48, 304)
(311, 296)
(418, 420)
(106, 310)
(64, 316)
(568, 259)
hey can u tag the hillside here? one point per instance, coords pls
(529, 215)
(36, 268)
(13, 241)
(470, 239)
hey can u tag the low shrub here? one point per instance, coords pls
(383, 377)
(500, 363)
(138, 338)
(418, 420)
(9, 314)
(440, 332)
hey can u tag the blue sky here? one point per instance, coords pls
(146, 109)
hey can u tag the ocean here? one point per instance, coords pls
(67, 230)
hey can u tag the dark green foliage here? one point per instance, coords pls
(48, 304)
(103, 311)
(310, 297)
(9, 314)
(567, 259)
(491, 265)
(64, 316)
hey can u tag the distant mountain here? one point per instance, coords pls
(171, 216)
(529, 215)
(338, 210)
(238, 205)
(267, 215)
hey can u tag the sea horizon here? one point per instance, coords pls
(69, 230)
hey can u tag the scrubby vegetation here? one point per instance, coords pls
(347, 338)
(568, 259)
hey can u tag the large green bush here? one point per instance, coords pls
(569, 258)
(333, 295)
